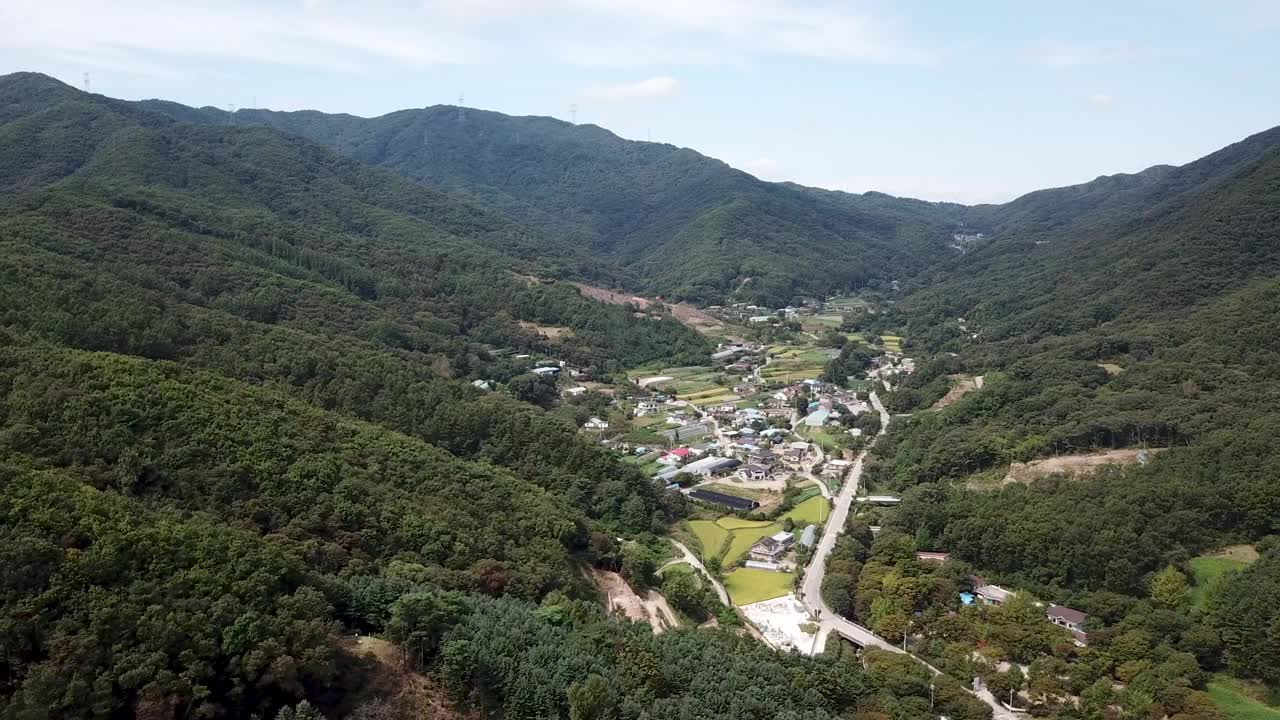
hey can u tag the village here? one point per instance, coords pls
(767, 447)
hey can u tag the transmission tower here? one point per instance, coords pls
(573, 113)
(231, 114)
(86, 83)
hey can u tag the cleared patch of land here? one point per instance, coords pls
(1111, 368)
(688, 314)
(550, 332)
(1209, 568)
(1073, 465)
(749, 585)
(961, 385)
(399, 690)
(892, 343)
(1238, 700)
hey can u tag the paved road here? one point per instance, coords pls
(695, 562)
(811, 589)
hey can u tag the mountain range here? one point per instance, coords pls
(242, 423)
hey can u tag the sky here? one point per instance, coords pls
(969, 102)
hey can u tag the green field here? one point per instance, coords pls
(892, 343)
(748, 585)
(711, 535)
(813, 511)
(1209, 568)
(1233, 698)
(742, 534)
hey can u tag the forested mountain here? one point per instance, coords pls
(684, 225)
(1133, 311)
(234, 377)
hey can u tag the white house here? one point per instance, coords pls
(595, 423)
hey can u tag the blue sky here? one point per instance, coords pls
(975, 102)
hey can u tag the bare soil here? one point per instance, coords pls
(394, 691)
(619, 597)
(1072, 465)
(1239, 553)
(550, 332)
(688, 314)
(961, 385)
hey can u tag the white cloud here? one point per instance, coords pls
(654, 87)
(1067, 55)
(1101, 101)
(309, 34)
(819, 30)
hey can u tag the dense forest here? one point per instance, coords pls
(1131, 312)
(678, 223)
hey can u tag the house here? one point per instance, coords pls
(596, 423)
(575, 391)
(759, 318)
(645, 407)
(730, 501)
(480, 384)
(1070, 619)
(675, 457)
(699, 449)
(772, 548)
(754, 472)
(793, 456)
(547, 370)
(835, 468)
(936, 557)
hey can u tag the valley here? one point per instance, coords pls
(460, 414)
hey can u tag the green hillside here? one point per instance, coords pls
(683, 225)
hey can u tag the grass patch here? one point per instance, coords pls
(730, 522)
(1210, 568)
(710, 535)
(748, 585)
(813, 511)
(1236, 700)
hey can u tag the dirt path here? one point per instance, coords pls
(660, 609)
(619, 596)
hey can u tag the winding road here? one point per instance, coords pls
(693, 560)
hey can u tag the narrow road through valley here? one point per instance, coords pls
(811, 589)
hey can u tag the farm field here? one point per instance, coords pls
(742, 534)
(821, 323)
(792, 363)
(1235, 701)
(892, 343)
(711, 535)
(748, 585)
(697, 384)
(1208, 568)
